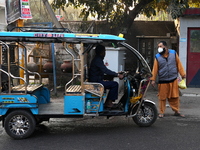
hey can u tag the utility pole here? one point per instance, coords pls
(58, 25)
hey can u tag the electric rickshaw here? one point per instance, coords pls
(23, 105)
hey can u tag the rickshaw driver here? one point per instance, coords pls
(96, 74)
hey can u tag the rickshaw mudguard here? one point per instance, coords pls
(149, 101)
(18, 102)
(43, 95)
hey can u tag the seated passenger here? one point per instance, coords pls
(96, 74)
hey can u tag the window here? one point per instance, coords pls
(195, 41)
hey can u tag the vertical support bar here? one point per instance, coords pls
(82, 63)
(20, 24)
(25, 65)
(40, 63)
(0, 66)
(8, 53)
(73, 62)
(54, 68)
(18, 64)
(21, 62)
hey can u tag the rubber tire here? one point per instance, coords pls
(141, 124)
(31, 120)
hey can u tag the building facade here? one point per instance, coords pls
(189, 45)
(2, 15)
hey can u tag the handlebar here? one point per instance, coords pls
(144, 73)
(124, 73)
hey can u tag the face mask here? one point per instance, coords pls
(161, 50)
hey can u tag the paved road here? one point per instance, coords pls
(116, 133)
(168, 133)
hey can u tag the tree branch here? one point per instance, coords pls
(133, 13)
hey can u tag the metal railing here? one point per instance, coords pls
(73, 68)
(142, 98)
(35, 73)
(8, 73)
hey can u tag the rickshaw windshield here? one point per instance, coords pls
(141, 59)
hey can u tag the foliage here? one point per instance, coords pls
(123, 12)
(71, 14)
(40, 14)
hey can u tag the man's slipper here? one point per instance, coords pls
(179, 115)
(161, 115)
(113, 106)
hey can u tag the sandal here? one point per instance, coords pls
(161, 115)
(112, 107)
(179, 115)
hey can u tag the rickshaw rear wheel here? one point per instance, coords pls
(19, 124)
(146, 115)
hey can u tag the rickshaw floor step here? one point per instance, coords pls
(115, 110)
(51, 108)
(112, 113)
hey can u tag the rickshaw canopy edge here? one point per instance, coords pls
(58, 37)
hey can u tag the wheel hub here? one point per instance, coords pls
(145, 115)
(19, 125)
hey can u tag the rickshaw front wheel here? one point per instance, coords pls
(19, 124)
(146, 115)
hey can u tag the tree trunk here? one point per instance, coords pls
(129, 18)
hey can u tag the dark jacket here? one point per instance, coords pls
(98, 69)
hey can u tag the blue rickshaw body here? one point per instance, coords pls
(28, 101)
(18, 102)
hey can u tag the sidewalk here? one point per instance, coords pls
(190, 92)
(189, 102)
(183, 92)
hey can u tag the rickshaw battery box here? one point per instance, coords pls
(73, 105)
(94, 102)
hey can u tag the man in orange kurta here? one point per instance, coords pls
(169, 90)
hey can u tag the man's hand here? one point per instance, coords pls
(120, 76)
(153, 83)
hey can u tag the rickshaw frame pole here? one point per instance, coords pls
(82, 64)
(8, 61)
(54, 68)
